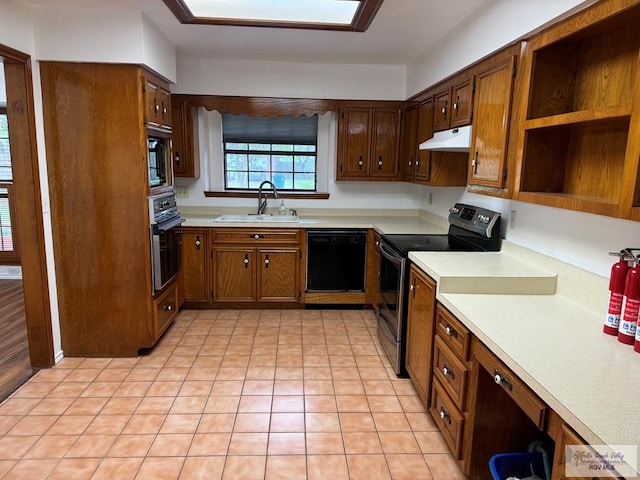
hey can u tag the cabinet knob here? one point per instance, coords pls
(412, 287)
(379, 163)
(447, 372)
(502, 380)
(444, 415)
(177, 158)
(256, 236)
(474, 164)
(450, 331)
(360, 163)
(266, 262)
(246, 261)
(168, 308)
(198, 243)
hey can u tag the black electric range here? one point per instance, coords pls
(471, 229)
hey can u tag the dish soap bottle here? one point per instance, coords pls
(282, 209)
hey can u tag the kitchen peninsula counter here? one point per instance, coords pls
(553, 342)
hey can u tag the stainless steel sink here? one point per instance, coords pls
(253, 218)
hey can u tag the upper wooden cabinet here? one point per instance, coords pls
(157, 103)
(579, 141)
(368, 142)
(492, 107)
(423, 166)
(453, 106)
(184, 159)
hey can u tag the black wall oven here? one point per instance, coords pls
(471, 229)
(166, 243)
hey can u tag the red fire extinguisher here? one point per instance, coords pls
(630, 305)
(636, 345)
(617, 282)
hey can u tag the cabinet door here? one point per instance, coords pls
(409, 146)
(420, 330)
(194, 265)
(386, 141)
(152, 105)
(184, 164)
(494, 89)
(234, 278)
(425, 132)
(355, 137)
(164, 102)
(442, 117)
(278, 274)
(567, 437)
(461, 103)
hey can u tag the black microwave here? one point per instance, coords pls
(158, 158)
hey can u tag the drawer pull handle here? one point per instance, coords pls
(266, 262)
(444, 415)
(168, 308)
(502, 380)
(246, 261)
(448, 372)
(256, 236)
(450, 331)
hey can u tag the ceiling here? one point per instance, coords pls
(400, 32)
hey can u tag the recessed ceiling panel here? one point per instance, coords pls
(353, 15)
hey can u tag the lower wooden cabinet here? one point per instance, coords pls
(166, 308)
(255, 266)
(420, 327)
(195, 266)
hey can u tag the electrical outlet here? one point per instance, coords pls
(182, 192)
(430, 198)
(512, 219)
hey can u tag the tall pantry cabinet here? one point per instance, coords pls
(95, 132)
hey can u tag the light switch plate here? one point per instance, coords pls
(182, 192)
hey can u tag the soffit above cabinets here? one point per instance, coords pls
(346, 15)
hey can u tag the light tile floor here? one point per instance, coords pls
(233, 394)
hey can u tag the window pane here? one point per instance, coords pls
(305, 181)
(237, 180)
(283, 181)
(305, 164)
(6, 238)
(259, 163)
(237, 161)
(236, 146)
(4, 126)
(282, 163)
(256, 178)
(260, 146)
(305, 148)
(282, 148)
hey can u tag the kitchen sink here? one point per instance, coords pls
(253, 218)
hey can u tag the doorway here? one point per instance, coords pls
(25, 316)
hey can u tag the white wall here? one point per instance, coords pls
(286, 79)
(498, 23)
(17, 31)
(102, 35)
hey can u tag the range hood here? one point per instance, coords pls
(454, 140)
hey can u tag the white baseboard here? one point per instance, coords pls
(10, 272)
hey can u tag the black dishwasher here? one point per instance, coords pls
(336, 260)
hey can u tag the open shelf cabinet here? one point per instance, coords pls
(580, 132)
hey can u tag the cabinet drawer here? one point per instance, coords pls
(257, 236)
(453, 333)
(451, 372)
(524, 397)
(448, 418)
(166, 308)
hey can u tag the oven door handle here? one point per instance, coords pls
(389, 255)
(169, 224)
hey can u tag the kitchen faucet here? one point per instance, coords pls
(262, 203)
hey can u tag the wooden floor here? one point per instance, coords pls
(15, 366)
